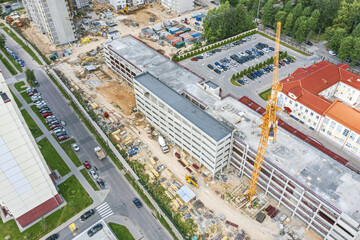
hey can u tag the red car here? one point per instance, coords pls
(47, 114)
(62, 138)
(194, 59)
(55, 126)
(86, 165)
(32, 93)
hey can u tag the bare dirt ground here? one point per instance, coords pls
(114, 93)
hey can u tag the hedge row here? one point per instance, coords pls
(177, 58)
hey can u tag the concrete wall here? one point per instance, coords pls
(179, 6)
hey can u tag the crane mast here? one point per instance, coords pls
(270, 121)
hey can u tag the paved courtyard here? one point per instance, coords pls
(253, 87)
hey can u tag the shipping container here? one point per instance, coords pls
(178, 33)
(186, 29)
(186, 36)
(180, 44)
(176, 41)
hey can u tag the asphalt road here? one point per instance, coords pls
(121, 192)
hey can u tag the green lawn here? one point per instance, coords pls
(9, 67)
(167, 226)
(24, 46)
(77, 200)
(12, 60)
(265, 94)
(26, 97)
(121, 232)
(52, 157)
(20, 86)
(85, 173)
(18, 103)
(70, 152)
(34, 128)
(234, 82)
(36, 111)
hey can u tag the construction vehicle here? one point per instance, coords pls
(269, 125)
(99, 153)
(9, 19)
(124, 10)
(191, 179)
(164, 147)
(17, 22)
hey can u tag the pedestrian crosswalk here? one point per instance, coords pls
(104, 210)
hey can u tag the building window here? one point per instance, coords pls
(326, 121)
(352, 136)
(306, 110)
(301, 107)
(311, 114)
(346, 132)
(296, 104)
(329, 133)
(317, 117)
(339, 128)
(332, 125)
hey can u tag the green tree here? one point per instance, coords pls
(356, 31)
(297, 11)
(2, 40)
(306, 12)
(334, 37)
(280, 17)
(346, 47)
(355, 54)
(348, 15)
(232, 3)
(288, 6)
(269, 13)
(289, 23)
(30, 76)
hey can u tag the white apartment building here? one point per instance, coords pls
(179, 120)
(179, 6)
(121, 4)
(27, 191)
(325, 98)
(54, 19)
(82, 3)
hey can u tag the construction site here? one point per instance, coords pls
(302, 193)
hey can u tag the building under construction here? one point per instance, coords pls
(313, 186)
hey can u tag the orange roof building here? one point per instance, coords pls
(325, 93)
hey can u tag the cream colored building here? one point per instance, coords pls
(27, 191)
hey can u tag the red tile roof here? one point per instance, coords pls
(307, 83)
(39, 211)
(347, 116)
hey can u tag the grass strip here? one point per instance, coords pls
(234, 82)
(26, 97)
(265, 94)
(121, 232)
(8, 65)
(284, 44)
(23, 45)
(2, 25)
(36, 111)
(20, 86)
(12, 60)
(167, 226)
(139, 191)
(18, 103)
(86, 175)
(34, 128)
(77, 200)
(70, 152)
(52, 157)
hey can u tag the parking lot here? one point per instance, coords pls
(104, 234)
(253, 87)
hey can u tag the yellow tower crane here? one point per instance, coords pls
(270, 121)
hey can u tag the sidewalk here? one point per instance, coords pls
(127, 223)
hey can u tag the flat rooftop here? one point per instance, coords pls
(327, 178)
(207, 123)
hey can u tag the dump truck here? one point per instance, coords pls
(164, 147)
(99, 152)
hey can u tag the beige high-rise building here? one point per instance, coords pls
(54, 19)
(27, 191)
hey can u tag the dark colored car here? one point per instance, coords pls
(281, 63)
(251, 77)
(137, 202)
(241, 81)
(357, 64)
(309, 43)
(94, 229)
(53, 237)
(210, 66)
(101, 183)
(348, 60)
(217, 71)
(63, 138)
(87, 215)
(290, 59)
(248, 52)
(59, 134)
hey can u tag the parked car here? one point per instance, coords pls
(63, 138)
(309, 43)
(357, 63)
(241, 81)
(137, 202)
(290, 59)
(281, 63)
(101, 183)
(348, 60)
(332, 53)
(94, 229)
(93, 174)
(86, 164)
(217, 71)
(55, 126)
(47, 114)
(53, 237)
(87, 214)
(59, 134)
(210, 66)
(194, 59)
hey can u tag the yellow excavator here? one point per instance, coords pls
(191, 179)
(124, 10)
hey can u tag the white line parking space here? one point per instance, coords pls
(104, 234)
(104, 210)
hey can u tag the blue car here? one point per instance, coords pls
(241, 81)
(250, 76)
(217, 63)
(257, 74)
(137, 202)
(253, 75)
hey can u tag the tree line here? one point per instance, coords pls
(338, 20)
